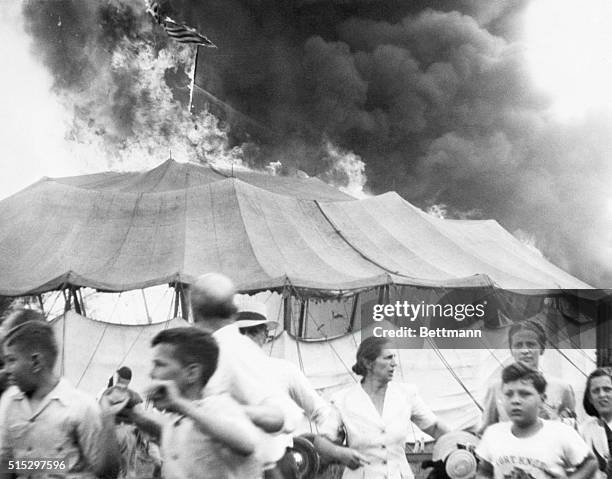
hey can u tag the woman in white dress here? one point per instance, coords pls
(597, 429)
(373, 418)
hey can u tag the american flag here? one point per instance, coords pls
(184, 34)
(178, 31)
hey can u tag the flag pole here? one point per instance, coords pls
(193, 74)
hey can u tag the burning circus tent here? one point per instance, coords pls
(123, 231)
(329, 256)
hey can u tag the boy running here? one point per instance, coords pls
(208, 436)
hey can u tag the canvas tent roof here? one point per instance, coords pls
(122, 231)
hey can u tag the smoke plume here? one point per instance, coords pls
(431, 99)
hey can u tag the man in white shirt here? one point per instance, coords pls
(253, 323)
(243, 369)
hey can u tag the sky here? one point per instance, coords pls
(468, 108)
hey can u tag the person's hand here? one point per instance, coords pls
(164, 394)
(353, 459)
(110, 405)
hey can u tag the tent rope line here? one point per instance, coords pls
(488, 347)
(92, 354)
(132, 346)
(567, 358)
(575, 345)
(169, 316)
(453, 373)
(278, 317)
(355, 248)
(57, 295)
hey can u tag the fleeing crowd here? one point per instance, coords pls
(218, 407)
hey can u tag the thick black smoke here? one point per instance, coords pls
(434, 96)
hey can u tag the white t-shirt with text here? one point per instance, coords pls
(555, 447)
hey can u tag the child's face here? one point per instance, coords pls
(167, 367)
(20, 368)
(525, 348)
(522, 402)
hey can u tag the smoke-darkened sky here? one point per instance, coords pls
(437, 99)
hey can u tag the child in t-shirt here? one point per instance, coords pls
(528, 447)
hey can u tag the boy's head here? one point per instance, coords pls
(18, 316)
(527, 341)
(187, 356)
(30, 351)
(523, 389)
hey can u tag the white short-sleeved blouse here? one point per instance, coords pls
(380, 438)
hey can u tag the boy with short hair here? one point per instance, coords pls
(529, 447)
(208, 436)
(527, 343)
(47, 418)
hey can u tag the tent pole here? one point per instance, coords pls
(77, 306)
(351, 325)
(603, 333)
(176, 302)
(67, 300)
(82, 303)
(184, 303)
(287, 314)
(144, 300)
(301, 328)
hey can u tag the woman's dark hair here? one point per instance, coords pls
(528, 325)
(369, 349)
(586, 399)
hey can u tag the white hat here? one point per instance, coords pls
(459, 463)
(253, 313)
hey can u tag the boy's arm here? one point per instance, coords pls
(97, 440)
(485, 470)
(220, 418)
(266, 417)
(233, 428)
(144, 421)
(585, 470)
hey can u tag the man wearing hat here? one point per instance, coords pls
(253, 323)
